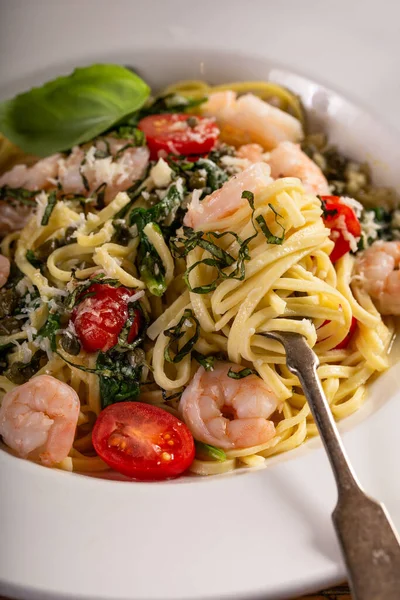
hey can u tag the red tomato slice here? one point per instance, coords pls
(100, 317)
(173, 134)
(349, 223)
(143, 441)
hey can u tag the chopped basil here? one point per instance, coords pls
(271, 239)
(240, 374)
(78, 294)
(175, 333)
(32, 259)
(49, 208)
(207, 362)
(206, 451)
(48, 330)
(17, 195)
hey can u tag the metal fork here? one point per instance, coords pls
(368, 539)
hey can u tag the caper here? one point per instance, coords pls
(197, 180)
(8, 302)
(44, 251)
(192, 122)
(68, 239)
(9, 325)
(70, 344)
(19, 373)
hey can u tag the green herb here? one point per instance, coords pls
(70, 110)
(221, 259)
(151, 267)
(48, 330)
(119, 381)
(128, 132)
(99, 194)
(20, 195)
(158, 213)
(271, 239)
(32, 259)
(135, 313)
(78, 294)
(207, 362)
(240, 374)
(175, 333)
(206, 451)
(49, 208)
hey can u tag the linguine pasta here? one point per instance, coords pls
(279, 277)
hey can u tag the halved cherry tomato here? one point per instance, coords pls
(179, 134)
(345, 342)
(101, 315)
(350, 222)
(143, 441)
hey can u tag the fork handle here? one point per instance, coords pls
(370, 546)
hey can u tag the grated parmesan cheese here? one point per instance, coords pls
(353, 204)
(340, 224)
(136, 296)
(369, 227)
(161, 174)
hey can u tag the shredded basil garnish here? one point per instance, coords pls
(207, 362)
(240, 374)
(21, 195)
(176, 332)
(78, 294)
(208, 451)
(270, 237)
(48, 331)
(49, 208)
(32, 259)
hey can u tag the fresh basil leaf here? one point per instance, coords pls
(70, 110)
(207, 451)
(49, 208)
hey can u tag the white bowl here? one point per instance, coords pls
(264, 533)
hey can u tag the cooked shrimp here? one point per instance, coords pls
(38, 177)
(249, 119)
(39, 418)
(228, 199)
(212, 397)
(13, 218)
(378, 268)
(4, 270)
(117, 171)
(288, 160)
